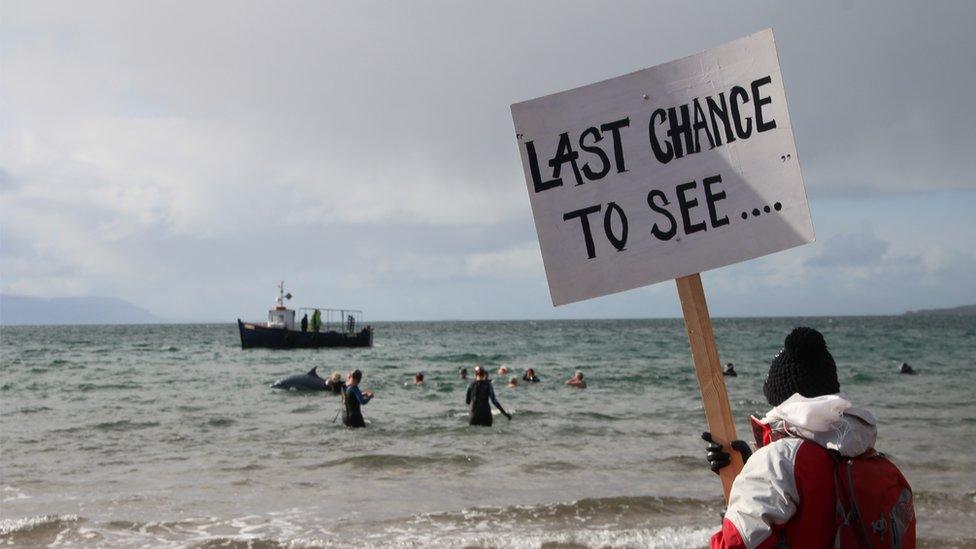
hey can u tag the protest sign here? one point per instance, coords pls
(662, 174)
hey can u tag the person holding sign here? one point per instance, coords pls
(815, 458)
(662, 174)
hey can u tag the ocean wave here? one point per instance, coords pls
(599, 509)
(124, 425)
(306, 409)
(9, 493)
(394, 461)
(244, 468)
(220, 422)
(587, 523)
(469, 358)
(963, 503)
(666, 537)
(249, 532)
(86, 387)
(686, 463)
(34, 409)
(598, 416)
(32, 530)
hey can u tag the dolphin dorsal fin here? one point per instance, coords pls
(312, 372)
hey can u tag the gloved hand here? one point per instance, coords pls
(717, 458)
(508, 415)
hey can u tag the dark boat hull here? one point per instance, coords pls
(258, 336)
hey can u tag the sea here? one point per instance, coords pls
(171, 435)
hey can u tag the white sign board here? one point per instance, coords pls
(664, 172)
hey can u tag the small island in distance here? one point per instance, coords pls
(963, 310)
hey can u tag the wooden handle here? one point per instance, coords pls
(715, 398)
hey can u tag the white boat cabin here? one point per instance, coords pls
(280, 316)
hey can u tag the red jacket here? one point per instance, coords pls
(785, 495)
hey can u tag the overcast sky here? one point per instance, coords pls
(185, 156)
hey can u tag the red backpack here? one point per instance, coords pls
(874, 503)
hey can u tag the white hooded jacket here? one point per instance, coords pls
(781, 474)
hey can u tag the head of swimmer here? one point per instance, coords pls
(354, 377)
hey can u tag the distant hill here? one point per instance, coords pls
(20, 310)
(965, 310)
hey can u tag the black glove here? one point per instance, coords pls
(509, 416)
(717, 458)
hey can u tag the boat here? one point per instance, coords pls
(338, 328)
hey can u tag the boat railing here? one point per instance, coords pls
(339, 320)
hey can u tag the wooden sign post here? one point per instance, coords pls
(675, 169)
(708, 368)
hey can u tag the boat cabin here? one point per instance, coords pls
(280, 316)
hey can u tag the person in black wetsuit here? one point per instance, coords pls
(353, 399)
(480, 396)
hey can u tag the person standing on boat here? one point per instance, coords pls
(352, 400)
(305, 322)
(480, 396)
(316, 320)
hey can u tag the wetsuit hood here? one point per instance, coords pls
(829, 420)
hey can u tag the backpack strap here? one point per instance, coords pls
(853, 499)
(844, 516)
(854, 514)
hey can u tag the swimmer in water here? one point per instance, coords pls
(480, 396)
(577, 380)
(353, 399)
(418, 378)
(503, 370)
(513, 382)
(463, 372)
(906, 369)
(530, 376)
(729, 370)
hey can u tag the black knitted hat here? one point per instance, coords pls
(803, 366)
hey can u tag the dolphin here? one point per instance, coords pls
(302, 382)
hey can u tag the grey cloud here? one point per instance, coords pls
(859, 249)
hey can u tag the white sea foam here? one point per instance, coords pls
(11, 493)
(12, 526)
(483, 536)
